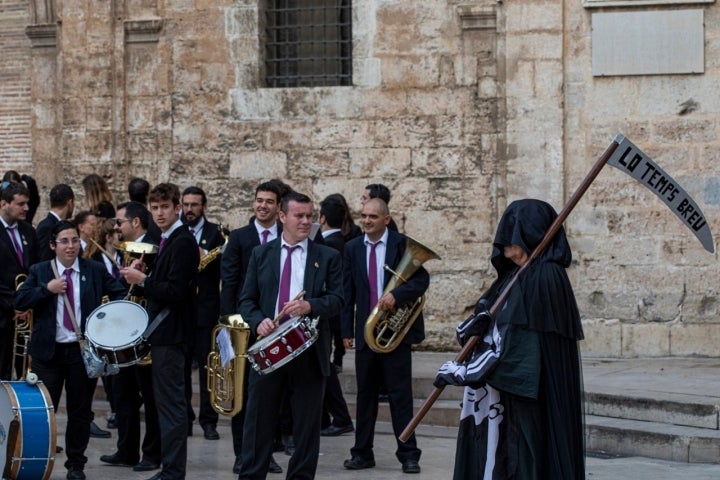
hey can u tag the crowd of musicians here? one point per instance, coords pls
(290, 260)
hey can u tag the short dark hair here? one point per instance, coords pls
(282, 188)
(293, 197)
(60, 195)
(137, 210)
(138, 189)
(378, 190)
(60, 226)
(82, 216)
(196, 191)
(271, 187)
(165, 191)
(333, 211)
(10, 189)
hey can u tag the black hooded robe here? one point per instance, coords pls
(522, 407)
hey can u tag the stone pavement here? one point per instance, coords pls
(677, 379)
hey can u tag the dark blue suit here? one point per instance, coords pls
(58, 364)
(394, 369)
(302, 379)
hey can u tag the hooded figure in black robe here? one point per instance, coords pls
(522, 407)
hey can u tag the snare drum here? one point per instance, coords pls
(27, 419)
(284, 344)
(115, 331)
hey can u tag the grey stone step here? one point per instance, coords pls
(624, 437)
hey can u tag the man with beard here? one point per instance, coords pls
(210, 240)
(18, 250)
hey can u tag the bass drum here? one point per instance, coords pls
(27, 431)
(115, 330)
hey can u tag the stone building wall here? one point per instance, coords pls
(458, 106)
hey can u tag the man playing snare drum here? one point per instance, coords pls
(54, 346)
(315, 270)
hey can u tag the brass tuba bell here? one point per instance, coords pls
(226, 384)
(384, 330)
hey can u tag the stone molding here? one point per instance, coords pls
(636, 3)
(475, 17)
(143, 31)
(44, 35)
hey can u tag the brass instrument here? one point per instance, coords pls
(146, 252)
(208, 258)
(384, 330)
(23, 331)
(226, 384)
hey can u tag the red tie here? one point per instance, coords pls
(372, 276)
(265, 234)
(67, 321)
(285, 280)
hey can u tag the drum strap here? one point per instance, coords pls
(155, 323)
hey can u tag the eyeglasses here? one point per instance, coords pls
(120, 221)
(68, 241)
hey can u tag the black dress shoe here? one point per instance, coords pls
(75, 474)
(411, 466)
(334, 431)
(236, 465)
(97, 432)
(116, 459)
(274, 467)
(112, 421)
(357, 463)
(210, 432)
(146, 465)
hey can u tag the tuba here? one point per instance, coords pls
(23, 331)
(226, 383)
(384, 330)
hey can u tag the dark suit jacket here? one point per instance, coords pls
(208, 281)
(95, 282)
(235, 261)
(357, 288)
(10, 267)
(172, 282)
(43, 237)
(322, 283)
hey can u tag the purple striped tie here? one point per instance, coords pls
(18, 249)
(163, 240)
(67, 321)
(265, 234)
(285, 280)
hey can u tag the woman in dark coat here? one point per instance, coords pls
(522, 407)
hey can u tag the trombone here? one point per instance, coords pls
(21, 337)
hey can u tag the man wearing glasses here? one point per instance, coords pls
(54, 344)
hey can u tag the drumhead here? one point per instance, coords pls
(116, 324)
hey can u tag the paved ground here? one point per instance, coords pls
(655, 378)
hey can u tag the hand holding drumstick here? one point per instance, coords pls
(294, 308)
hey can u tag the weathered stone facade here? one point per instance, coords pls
(458, 106)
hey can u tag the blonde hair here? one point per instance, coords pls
(96, 192)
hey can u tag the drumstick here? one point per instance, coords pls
(142, 256)
(107, 254)
(282, 312)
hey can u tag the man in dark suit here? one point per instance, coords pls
(336, 417)
(263, 227)
(62, 204)
(210, 239)
(170, 288)
(18, 250)
(54, 344)
(279, 271)
(132, 386)
(364, 281)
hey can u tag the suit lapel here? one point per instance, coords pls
(391, 255)
(25, 246)
(9, 244)
(311, 266)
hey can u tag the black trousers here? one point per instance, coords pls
(132, 388)
(66, 369)
(335, 409)
(303, 384)
(206, 414)
(168, 377)
(394, 371)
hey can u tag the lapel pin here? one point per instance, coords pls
(82, 278)
(317, 265)
(203, 241)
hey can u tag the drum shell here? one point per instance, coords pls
(283, 345)
(115, 331)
